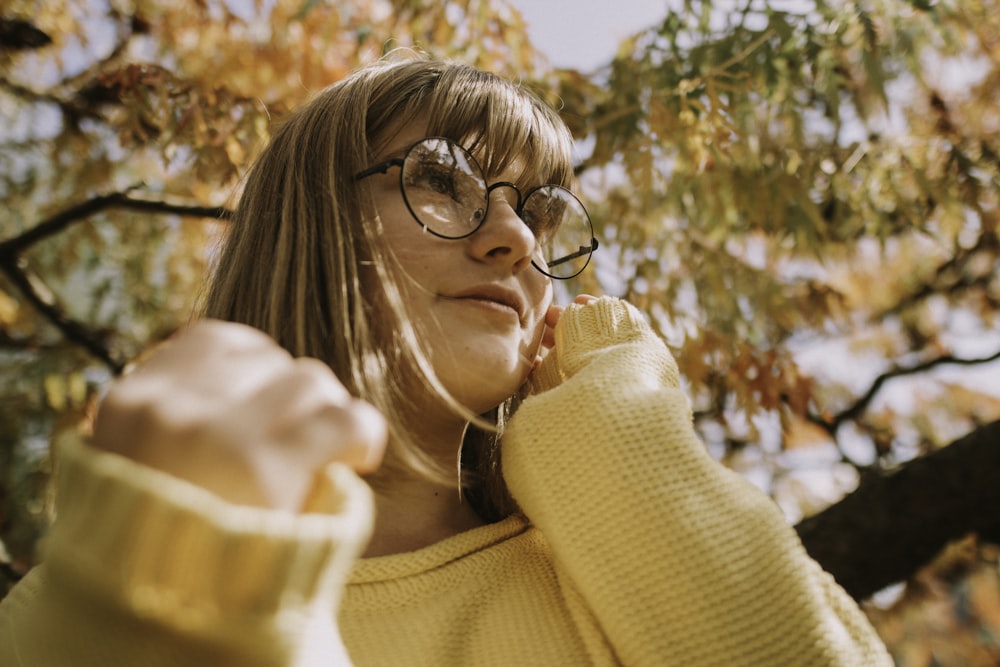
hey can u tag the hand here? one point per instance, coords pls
(223, 406)
(552, 319)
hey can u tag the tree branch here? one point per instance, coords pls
(69, 86)
(45, 304)
(20, 35)
(948, 277)
(870, 539)
(12, 265)
(861, 404)
(30, 343)
(60, 221)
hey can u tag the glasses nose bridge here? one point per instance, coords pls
(506, 184)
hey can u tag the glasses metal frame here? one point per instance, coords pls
(383, 168)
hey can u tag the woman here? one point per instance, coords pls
(404, 230)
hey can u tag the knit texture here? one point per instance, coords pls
(141, 568)
(635, 548)
(681, 561)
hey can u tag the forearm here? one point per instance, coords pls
(679, 558)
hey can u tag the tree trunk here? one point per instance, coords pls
(893, 524)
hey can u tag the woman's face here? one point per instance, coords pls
(477, 302)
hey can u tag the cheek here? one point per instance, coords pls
(413, 251)
(541, 296)
(412, 259)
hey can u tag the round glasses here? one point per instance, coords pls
(446, 191)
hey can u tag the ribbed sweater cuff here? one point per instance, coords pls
(601, 323)
(586, 330)
(173, 551)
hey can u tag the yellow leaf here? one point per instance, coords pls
(55, 392)
(234, 149)
(800, 433)
(8, 309)
(77, 389)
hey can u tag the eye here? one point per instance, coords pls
(530, 218)
(433, 178)
(441, 183)
(539, 218)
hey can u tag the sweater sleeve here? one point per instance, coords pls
(679, 561)
(141, 568)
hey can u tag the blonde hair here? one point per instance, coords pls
(299, 259)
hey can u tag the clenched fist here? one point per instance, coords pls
(223, 406)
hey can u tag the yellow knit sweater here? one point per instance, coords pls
(635, 548)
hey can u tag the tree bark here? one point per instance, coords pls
(894, 524)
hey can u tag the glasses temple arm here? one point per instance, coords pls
(380, 168)
(584, 250)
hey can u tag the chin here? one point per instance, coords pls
(482, 388)
(483, 371)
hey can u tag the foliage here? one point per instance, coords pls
(801, 195)
(786, 182)
(131, 124)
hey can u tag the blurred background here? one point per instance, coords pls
(802, 195)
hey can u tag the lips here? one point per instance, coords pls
(495, 294)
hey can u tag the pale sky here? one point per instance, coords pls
(585, 33)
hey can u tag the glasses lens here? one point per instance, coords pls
(563, 229)
(444, 188)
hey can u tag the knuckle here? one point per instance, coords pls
(320, 378)
(357, 421)
(362, 431)
(231, 338)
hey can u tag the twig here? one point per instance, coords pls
(60, 221)
(12, 265)
(854, 411)
(72, 329)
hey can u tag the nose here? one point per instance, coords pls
(503, 238)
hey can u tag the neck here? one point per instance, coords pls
(412, 512)
(417, 514)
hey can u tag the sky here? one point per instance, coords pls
(585, 33)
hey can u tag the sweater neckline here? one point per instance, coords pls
(439, 554)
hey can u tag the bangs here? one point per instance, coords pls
(502, 124)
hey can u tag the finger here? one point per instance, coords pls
(362, 432)
(584, 299)
(552, 316)
(548, 338)
(354, 434)
(323, 377)
(206, 347)
(235, 335)
(315, 418)
(291, 395)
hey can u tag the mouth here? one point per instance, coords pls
(493, 296)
